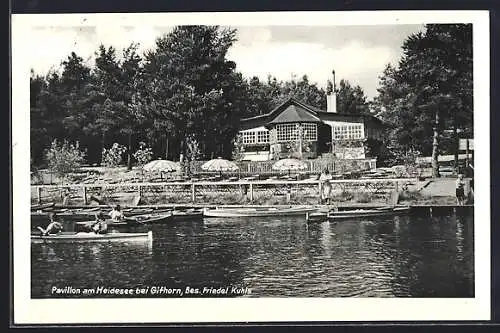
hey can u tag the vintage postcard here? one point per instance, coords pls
(251, 167)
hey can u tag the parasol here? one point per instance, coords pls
(161, 166)
(289, 164)
(219, 164)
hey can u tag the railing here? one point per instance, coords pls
(241, 192)
(313, 166)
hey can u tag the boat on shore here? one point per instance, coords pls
(258, 211)
(382, 211)
(71, 237)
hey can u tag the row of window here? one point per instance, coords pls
(350, 131)
(255, 137)
(290, 132)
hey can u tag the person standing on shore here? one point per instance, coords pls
(326, 187)
(459, 190)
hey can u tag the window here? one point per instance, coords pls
(348, 131)
(290, 132)
(310, 132)
(286, 132)
(255, 137)
(248, 137)
(263, 137)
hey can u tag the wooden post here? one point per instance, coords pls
(319, 192)
(288, 193)
(140, 191)
(193, 193)
(466, 170)
(251, 192)
(39, 194)
(85, 202)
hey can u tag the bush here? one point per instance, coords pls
(144, 154)
(114, 156)
(64, 158)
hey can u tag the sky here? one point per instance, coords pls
(358, 54)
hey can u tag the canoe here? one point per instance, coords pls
(184, 215)
(84, 215)
(383, 211)
(317, 217)
(129, 221)
(71, 237)
(84, 226)
(42, 206)
(149, 218)
(257, 212)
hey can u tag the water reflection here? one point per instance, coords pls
(404, 256)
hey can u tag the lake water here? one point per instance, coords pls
(416, 255)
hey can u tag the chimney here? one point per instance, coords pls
(331, 98)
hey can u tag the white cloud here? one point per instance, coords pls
(51, 46)
(255, 53)
(353, 61)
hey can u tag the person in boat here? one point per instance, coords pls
(54, 226)
(116, 214)
(100, 226)
(326, 186)
(459, 189)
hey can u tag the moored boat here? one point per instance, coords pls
(317, 217)
(149, 218)
(383, 211)
(258, 212)
(42, 206)
(70, 237)
(189, 214)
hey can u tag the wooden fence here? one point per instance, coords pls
(313, 166)
(237, 192)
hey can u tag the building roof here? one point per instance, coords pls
(293, 111)
(294, 114)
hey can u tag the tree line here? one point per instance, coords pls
(184, 98)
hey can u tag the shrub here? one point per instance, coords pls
(114, 156)
(64, 158)
(144, 154)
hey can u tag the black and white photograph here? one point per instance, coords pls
(251, 166)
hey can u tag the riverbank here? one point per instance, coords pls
(375, 192)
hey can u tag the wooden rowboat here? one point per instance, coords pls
(71, 237)
(258, 212)
(383, 211)
(127, 222)
(185, 215)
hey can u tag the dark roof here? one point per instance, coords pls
(294, 114)
(293, 110)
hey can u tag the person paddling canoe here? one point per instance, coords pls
(116, 214)
(99, 226)
(53, 228)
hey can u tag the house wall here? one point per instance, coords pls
(339, 147)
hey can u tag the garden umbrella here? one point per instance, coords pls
(219, 164)
(289, 164)
(161, 166)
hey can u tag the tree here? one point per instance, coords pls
(194, 91)
(351, 99)
(64, 158)
(431, 89)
